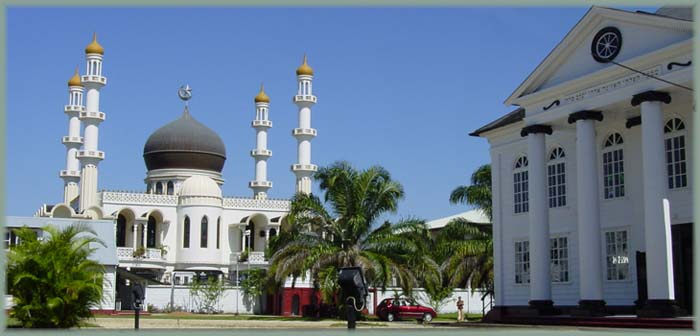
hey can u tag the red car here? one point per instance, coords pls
(395, 309)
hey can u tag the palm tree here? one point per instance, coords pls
(478, 193)
(465, 248)
(52, 281)
(467, 253)
(322, 240)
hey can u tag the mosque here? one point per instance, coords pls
(180, 227)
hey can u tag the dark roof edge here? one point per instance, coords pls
(510, 118)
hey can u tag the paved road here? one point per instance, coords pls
(149, 323)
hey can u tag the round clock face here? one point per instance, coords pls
(606, 44)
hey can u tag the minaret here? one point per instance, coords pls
(73, 141)
(304, 99)
(261, 124)
(90, 156)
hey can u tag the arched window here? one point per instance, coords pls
(556, 178)
(171, 188)
(203, 237)
(159, 188)
(674, 133)
(273, 233)
(121, 231)
(149, 188)
(151, 232)
(613, 167)
(218, 232)
(186, 233)
(520, 185)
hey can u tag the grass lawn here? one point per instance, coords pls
(452, 317)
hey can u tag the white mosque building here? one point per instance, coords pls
(180, 226)
(592, 183)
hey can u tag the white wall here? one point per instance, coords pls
(159, 296)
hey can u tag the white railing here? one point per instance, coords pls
(247, 203)
(265, 123)
(304, 98)
(137, 198)
(304, 131)
(254, 258)
(151, 254)
(306, 167)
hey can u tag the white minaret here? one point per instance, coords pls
(261, 124)
(90, 156)
(73, 141)
(304, 99)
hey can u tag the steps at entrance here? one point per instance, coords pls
(607, 322)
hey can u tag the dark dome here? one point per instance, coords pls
(184, 143)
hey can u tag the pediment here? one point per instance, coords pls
(572, 58)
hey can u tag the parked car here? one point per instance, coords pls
(396, 309)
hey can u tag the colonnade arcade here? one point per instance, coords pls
(144, 231)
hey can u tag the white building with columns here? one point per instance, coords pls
(180, 226)
(592, 197)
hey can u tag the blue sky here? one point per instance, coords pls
(397, 87)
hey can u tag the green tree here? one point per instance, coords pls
(206, 294)
(322, 240)
(478, 193)
(52, 281)
(468, 254)
(465, 249)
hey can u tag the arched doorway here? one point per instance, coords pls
(151, 232)
(121, 231)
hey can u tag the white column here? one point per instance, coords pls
(658, 247)
(588, 221)
(144, 230)
(540, 278)
(135, 229)
(267, 237)
(243, 240)
(88, 185)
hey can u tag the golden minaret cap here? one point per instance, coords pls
(305, 69)
(262, 97)
(94, 47)
(75, 80)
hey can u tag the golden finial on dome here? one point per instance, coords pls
(94, 47)
(75, 80)
(305, 69)
(262, 97)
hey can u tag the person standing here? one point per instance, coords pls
(460, 309)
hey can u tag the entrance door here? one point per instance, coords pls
(641, 263)
(682, 242)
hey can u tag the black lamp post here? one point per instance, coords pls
(352, 283)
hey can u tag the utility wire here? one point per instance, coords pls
(651, 76)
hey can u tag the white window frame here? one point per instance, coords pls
(617, 254)
(521, 201)
(521, 262)
(556, 178)
(614, 148)
(675, 145)
(559, 257)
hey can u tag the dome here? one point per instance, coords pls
(305, 69)
(75, 80)
(185, 144)
(198, 185)
(262, 97)
(94, 47)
